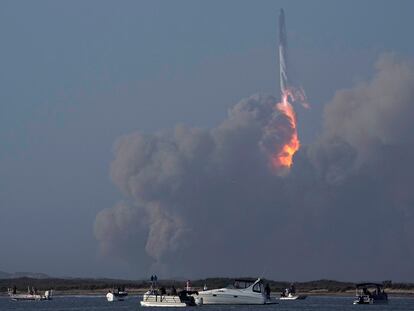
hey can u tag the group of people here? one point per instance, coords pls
(172, 292)
(154, 280)
(377, 292)
(162, 289)
(30, 290)
(291, 290)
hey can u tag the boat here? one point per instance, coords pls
(241, 292)
(118, 294)
(159, 298)
(293, 297)
(31, 294)
(370, 293)
(290, 294)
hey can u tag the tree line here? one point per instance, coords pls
(87, 284)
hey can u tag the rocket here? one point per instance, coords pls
(282, 53)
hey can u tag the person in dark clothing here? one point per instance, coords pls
(267, 291)
(163, 291)
(173, 291)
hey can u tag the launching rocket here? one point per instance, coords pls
(282, 53)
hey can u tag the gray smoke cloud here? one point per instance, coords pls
(202, 202)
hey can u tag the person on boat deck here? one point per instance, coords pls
(173, 291)
(267, 291)
(163, 291)
(367, 292)
(154, 281)
(292, 289)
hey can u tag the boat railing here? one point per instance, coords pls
(162, 298)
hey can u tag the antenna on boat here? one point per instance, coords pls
(263, 272)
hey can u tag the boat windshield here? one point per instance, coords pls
(258, 287)
(241, 284)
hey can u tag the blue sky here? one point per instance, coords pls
(76, 75)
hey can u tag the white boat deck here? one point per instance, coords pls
(162, 301)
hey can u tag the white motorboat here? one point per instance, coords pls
(154, 298)
(292, 297)
(242, 292)
(290, 294)
(116, 295)
(30, 295)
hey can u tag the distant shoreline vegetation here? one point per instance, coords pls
(91, 285)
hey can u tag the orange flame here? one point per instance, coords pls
(283, 158)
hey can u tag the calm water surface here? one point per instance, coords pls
(83, 303)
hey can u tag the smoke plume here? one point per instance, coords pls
(202, 202)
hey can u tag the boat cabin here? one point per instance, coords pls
(369, 293)
(246, 283)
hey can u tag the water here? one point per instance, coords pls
(85, 303)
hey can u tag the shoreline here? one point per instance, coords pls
(100, 287)
(133, 292)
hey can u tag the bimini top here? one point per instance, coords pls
(369, 284)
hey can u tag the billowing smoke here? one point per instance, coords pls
(202, 202)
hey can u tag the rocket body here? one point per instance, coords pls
(282, 53)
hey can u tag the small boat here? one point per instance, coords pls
(290, 294)
(242, 292)
(30, 295)
(159, 298)
(370, 293)
(293, 297)
(118, 294)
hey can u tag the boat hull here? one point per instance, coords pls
(163, 301)
(233, 298)
(111, 297)
(297, 297)
(369, 301)
(28, 297)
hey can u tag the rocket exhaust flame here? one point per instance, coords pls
(282, 157)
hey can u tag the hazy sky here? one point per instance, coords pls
(77, 75)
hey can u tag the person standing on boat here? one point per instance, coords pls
(267, 291)
(163, 291)
(292, 289)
